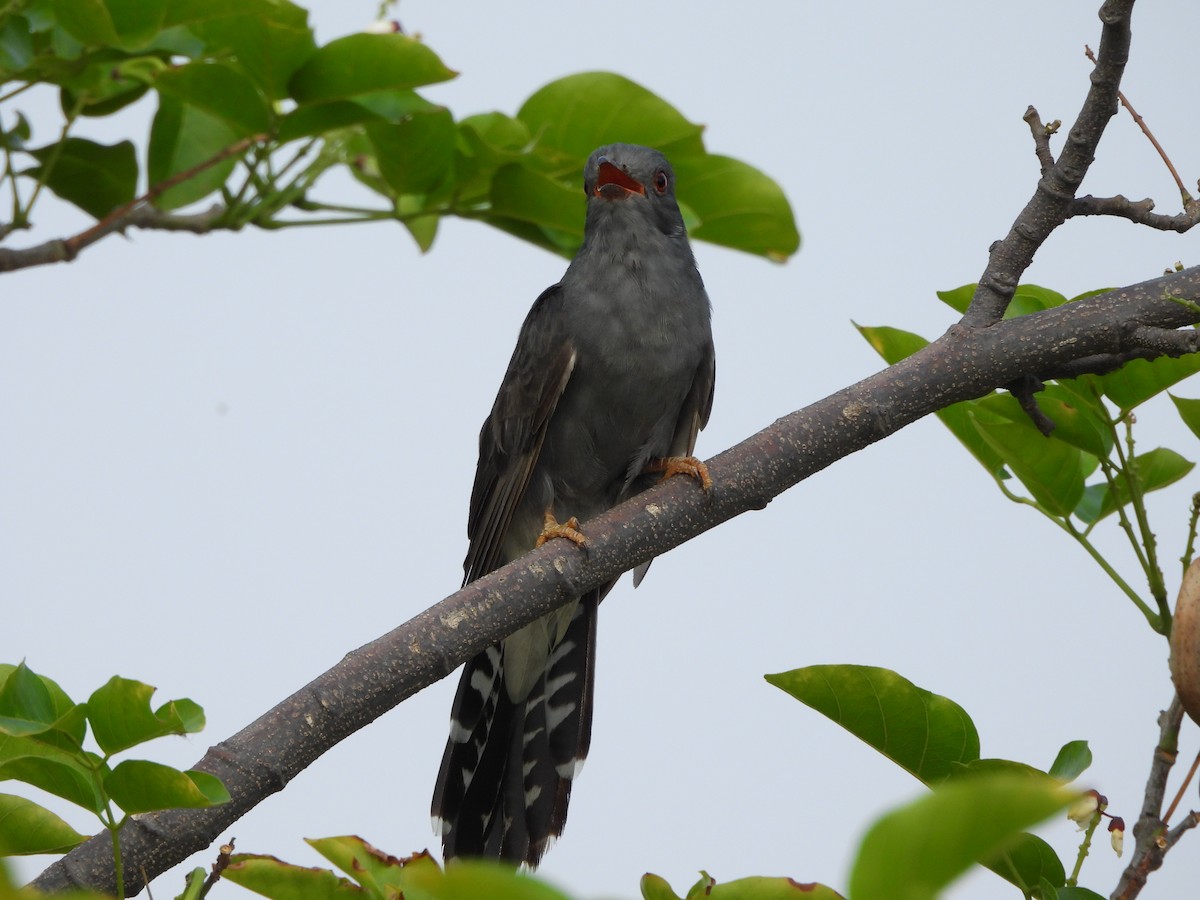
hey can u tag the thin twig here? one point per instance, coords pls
(1182, 789)
(1049, 206)
(1041, 137)
(224, 855)
(137, 212)
(1149, 831)
(1137, 211)
(113, 220)
(1024, 390)
(1190, 550)
(1190, 821)
(1141, 123)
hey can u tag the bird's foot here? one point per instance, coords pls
(681, 465)
(554, 529)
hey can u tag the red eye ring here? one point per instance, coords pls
(660, 181)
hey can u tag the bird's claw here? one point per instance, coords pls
(681, 465)
(569, 529)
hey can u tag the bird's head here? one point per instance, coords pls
(627, 180)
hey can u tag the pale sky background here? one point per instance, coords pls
(230, 460)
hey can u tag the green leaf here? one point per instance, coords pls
(414, 155)
(475, 879)
(27, 829)
(524, 196)
(422, 228)
(655, 887)
(1051, 470)
(497, 132)
(1154, 470)
(1029, 863)
(487, 142)
(1139, 380)
(138, 785)
(136, 22)
(95, 177)
(109, 82)
(182, 137)
(574, 115)
(320, 118)
(380, 873)
(959, 298)
(121, 717)
(268, 39)
(129, 24)
(924, 733)
(274, 878)
(1080, 419)
(16, 46)
(975, 768)
(919, 849)
(1073, 425)
(65, 717)
(365, 63)
(1029, 298)
(26, 704)
(221, 91)
(1189, 412)
(1078, 893)
(87, 21)
(1072, 761)
(738, 206)
(892, 343)
(53, 769)
(760, 888)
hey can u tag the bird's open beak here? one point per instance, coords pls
(614, 183)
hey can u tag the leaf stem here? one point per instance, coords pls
(1151, 617)
(1084, 849)
(1154, 574)
(4, 98)
(1190, 550)
(1081, 537)
(52, 160)
(1182, 790)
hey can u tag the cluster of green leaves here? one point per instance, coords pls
(249, 105)
(978, 807)
(1087, 469)
(375, 875)
(42, 733)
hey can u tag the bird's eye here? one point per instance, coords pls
(660, 181)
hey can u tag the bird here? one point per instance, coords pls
(611, 380)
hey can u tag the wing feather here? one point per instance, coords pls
(511, 438)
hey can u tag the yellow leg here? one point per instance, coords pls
(568, 529)
(681, 465)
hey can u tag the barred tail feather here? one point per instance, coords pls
(508, 767)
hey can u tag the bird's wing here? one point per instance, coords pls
(693, 414)
(511, 438)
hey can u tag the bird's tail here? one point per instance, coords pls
(508, 767)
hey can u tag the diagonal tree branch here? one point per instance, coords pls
(964, 363)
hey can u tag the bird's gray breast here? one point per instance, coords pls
(640, 334)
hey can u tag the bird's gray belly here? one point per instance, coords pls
(608, 424)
